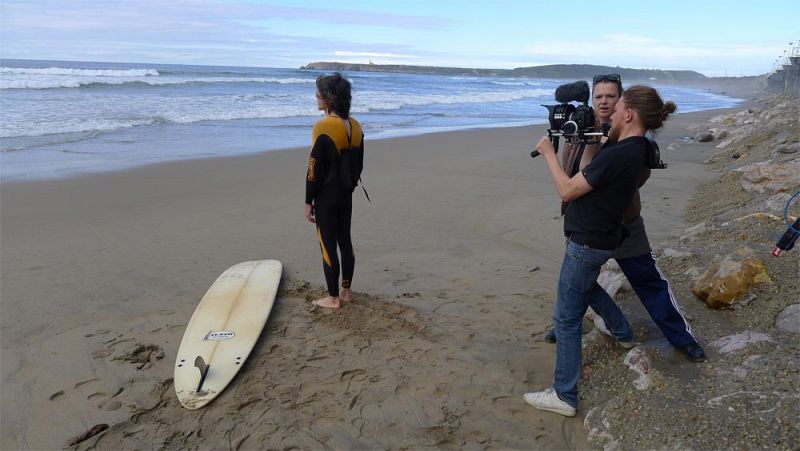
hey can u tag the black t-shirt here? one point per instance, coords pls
(595, 219)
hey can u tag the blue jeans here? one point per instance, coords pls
(577, 290)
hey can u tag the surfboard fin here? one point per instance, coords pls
(200, 364)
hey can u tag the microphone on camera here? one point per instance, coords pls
(561, 115)
(577, 91)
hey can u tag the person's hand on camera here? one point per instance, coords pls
(545, 146)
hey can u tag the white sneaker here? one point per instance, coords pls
(549, 400)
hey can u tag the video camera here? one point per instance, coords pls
(575, 123)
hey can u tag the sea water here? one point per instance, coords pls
(60, 118)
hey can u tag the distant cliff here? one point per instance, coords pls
(587, 71)
(398, 68)
(555, 71)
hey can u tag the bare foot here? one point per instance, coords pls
(346, 295)
(328, 302)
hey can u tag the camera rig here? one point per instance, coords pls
(575, 124)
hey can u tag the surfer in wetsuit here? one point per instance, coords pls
(328, 204)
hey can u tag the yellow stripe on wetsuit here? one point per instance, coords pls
(325, 255)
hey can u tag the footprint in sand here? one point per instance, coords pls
(113, 342)
(101, 354)
(110, 405)
(94, 379)
(97, 332)
(142, 355)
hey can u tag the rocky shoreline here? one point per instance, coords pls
(747, 394)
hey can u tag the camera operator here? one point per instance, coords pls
(634, 255)
(598, 195)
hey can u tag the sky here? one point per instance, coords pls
(715, 38)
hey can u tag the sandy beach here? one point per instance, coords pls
(457, 259)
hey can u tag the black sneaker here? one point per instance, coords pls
(694, 352)
(550, 336)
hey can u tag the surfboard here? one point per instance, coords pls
(223, 330)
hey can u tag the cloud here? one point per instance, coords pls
(154, 15)
(628, 45)
(187, 31)
(630, 50)
(348, 53)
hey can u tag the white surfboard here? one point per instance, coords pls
(223, 330)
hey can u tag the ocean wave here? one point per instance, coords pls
(44, 140)
(515, 83)
(377, 100)
(65, 127)
(56, 82)
(186, 110)
(188, 114)
(80, 72)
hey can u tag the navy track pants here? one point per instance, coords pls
(654, 291)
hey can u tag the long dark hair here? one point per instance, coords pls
(335, 90)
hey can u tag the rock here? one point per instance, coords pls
(746, 252)
(722, 119)
(736, 342)
(730, 279)
(692, 232)
(597, 426)
(768, 176)
(613, 282)
(718, 133)
(789, 319)
(755, 361)
(777, 203)
(787, 148)
(704, 137)
(693, 272)
(734, 119)
(673, 146)
(639, 362)
(672, 253)
(598, 322)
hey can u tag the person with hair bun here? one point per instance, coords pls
(329, 200)
(597, 197)
(634, 254)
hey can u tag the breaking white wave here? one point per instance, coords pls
(172, 111)
(48, 80)
(380, 100)
(515, 83)
(79, 72)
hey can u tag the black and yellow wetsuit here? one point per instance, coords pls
(333, 206)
